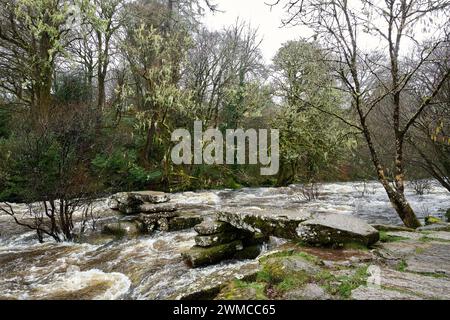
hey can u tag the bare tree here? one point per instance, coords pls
(218, 62)
(339, 25)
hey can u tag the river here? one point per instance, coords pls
(150, 267)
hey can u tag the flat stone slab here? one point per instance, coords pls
(337, 229)
(438, 235)
(388, 227)
(310, 291)
(407, 235)
(280, 223)
(184, 221)
(430, 235)
(434, 258)
(156, 208)
(377, 293)
(209, 227)
(435, 227)
(426, 287)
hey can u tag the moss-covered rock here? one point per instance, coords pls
(241, 290)
(184, 222)
(278, 223)
(199, 256)
(337, 229)
(432, 220)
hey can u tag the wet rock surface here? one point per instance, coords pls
(271, 222)
(337, 229)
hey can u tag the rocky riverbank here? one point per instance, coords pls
(403, 265)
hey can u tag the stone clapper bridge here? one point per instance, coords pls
(233, 233)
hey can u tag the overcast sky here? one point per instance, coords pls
(268, 23)
(260, 16)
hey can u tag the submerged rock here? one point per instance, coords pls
(336, 229)
(123, 228)
(199, 256)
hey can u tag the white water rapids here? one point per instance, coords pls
(150, 267)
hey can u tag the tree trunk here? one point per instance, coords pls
(396, 196)
(149, 141)
(403, 208)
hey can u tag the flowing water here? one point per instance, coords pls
(150, 267)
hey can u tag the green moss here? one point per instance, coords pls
(432, 220)
(343, 285)
(425, 239)
(293, 281)
(275, 275)
(419, 250)
(401, 266)
(291, 253)
(238, 290)
(355, 246)
(384, 237)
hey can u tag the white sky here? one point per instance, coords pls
(268, 23)
(261, 17)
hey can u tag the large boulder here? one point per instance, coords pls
(337, 229)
